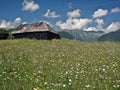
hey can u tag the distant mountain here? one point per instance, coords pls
(81, 35)
(64, 34)
(112, 36)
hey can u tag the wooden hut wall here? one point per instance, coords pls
(53, 36)
(37, 35)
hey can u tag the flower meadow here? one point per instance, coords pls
(59, 65)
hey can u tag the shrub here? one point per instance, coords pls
(3, 33)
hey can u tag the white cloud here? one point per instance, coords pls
(113, 27)
(30, 5)
(115, 10)
(5, 24)
(91, 29)
(73, 23)
(24, 22)
(51, 14)
(17, 20)
(99, 21)
(98, 27)
(100, 13)
(8, 24)
(73, 14)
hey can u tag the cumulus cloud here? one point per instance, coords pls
(98, 27)
(8, 24)
(100, 13)
(91, 29)
(18, 20)
(99, 21)
(73, 23)
(113, 27)
(24, 22)
(115, 10)
(51, 14)
(30, 5)
(5, 24)
(73, 14)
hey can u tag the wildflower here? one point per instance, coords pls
(87, 86)
(103, 69)
(45, 83)
(66, 72)
(118, 86)
(106, 87)
(36, 88)
(64, 85)
(113, 65)
(69, 83)
(70, 80)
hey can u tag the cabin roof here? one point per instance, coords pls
(35, 27)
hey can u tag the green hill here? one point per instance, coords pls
(64, 34)
(59, 65)
(112, 36)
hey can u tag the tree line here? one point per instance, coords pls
(6, 34)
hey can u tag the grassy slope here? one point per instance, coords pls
(59, 65)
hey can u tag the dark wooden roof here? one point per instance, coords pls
(35, 27)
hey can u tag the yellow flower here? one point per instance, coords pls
(113, 65)
(45, 83)
(106, 87)
(36, 88)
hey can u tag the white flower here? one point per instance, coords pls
(87, 86)
(45, 83)
(70, 80)
(64, 85)
(103, 69)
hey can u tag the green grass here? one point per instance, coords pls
(59, 65)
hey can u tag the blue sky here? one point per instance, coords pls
(62, 14)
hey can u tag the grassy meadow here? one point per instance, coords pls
(59, 65)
